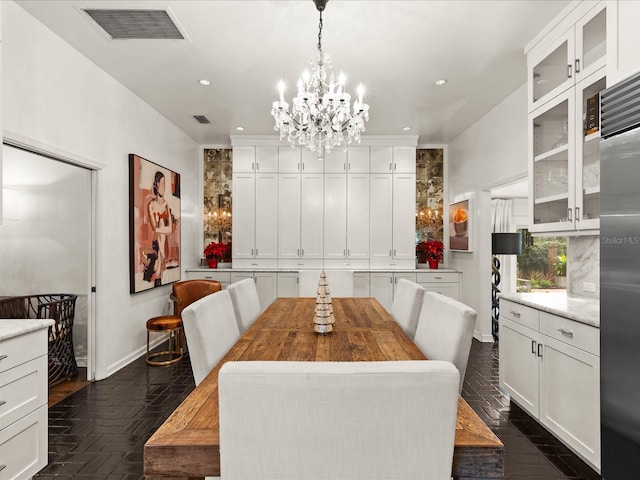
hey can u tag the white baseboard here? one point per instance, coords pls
(135, 355)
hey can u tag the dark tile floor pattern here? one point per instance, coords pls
(99, 432)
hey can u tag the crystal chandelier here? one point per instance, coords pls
(429, 218)
(321, 118)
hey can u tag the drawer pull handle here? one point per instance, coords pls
(568, 333)
(515, 314)
(533, 347)
(438, 278)
(539, 350)
(2, 467)
(2, 357)
(2, 402)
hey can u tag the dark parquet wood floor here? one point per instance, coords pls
(99, 431)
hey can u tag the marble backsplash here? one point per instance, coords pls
(583, 265)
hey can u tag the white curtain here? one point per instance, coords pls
(501, 215)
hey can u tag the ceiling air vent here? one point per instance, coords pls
(201, 119)
(136, 24)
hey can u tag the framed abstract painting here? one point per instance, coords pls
(460, 226)
(154, 225)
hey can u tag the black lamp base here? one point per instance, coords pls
(495, 303)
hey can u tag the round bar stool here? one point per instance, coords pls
(172, 325)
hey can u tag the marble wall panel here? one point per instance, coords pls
(429, 193)
(217, 192)
(583, 265)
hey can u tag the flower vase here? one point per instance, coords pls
(433, 263)
(212, 262)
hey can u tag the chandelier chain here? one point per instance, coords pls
(320, 33)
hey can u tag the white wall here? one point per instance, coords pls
(493, 151)
(54, 96)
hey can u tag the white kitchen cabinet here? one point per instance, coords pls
(404, 160)
(288, 284)
(289, 159)
(566, 56)
(550, 366)
(239, 276)
(361, 285)
(446, 283)
(381, 288)
(623, 39)
(23, 392)
(300, 225)
(392, 220)
(266, 159)
(244, 159)
(311, 163)
(400, 159)
(381, 159)
(335, 161)
(255, 203)
(565, 162)
(267, 287)
(358, 160)
(254, 159)
(346, 220)
(211, 274)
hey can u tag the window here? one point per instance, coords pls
(542, 265)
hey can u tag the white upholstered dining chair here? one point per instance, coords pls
(445, 330)
(337, 420)
(211, 329)
(246, 303)
(406, 305)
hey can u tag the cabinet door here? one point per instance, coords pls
(591, 42)
(243, 215)
(361, 284)
(335, 216)
(266, 234)
(358, 159)
(404, 216)
(243, 159)
(552, 165)
(287, 284)
(358, 216)
(551, 70)
(335, 161)
(311, 229)
(380, 215)
(381, 286)
(267, 286)
(411, 276)
(519, 364)
(311, 163)
(381, 160)
(289, 203)
(238, 276)
(289, 159)
(570, 396)
(587, 188)
(623, 51)
(404, 160)
(266, 159)
(451, 290)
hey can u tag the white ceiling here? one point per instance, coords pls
(396, 48)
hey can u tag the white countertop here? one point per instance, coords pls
(14, 327)
(413, 270)
(581, 309)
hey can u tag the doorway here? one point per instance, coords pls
(47, 241)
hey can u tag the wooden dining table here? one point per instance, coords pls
(187, 445)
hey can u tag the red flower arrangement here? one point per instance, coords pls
(217, 250)
(432, 249)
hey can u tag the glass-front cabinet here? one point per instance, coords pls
(576, 54)
(565, 159)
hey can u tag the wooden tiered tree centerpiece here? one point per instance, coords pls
(323, 319)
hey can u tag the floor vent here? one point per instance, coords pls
(201, 119)
(136, 24)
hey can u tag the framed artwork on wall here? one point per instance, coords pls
(460, 226)
(154, 225)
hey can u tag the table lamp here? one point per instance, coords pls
(501, 244)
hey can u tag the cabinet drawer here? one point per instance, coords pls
(21, 349)
(448, 289)
(22, 389)
(223, 277)
(579, 335)
(23, 446)
(519, 313)
(435, 277)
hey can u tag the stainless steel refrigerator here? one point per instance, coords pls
(620, 280)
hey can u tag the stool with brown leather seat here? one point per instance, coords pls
(183, 293)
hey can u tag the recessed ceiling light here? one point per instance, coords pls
(442, 81)
(406, 129)
(239, 129)
(204, 82)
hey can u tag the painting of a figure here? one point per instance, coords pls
(154, 224)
